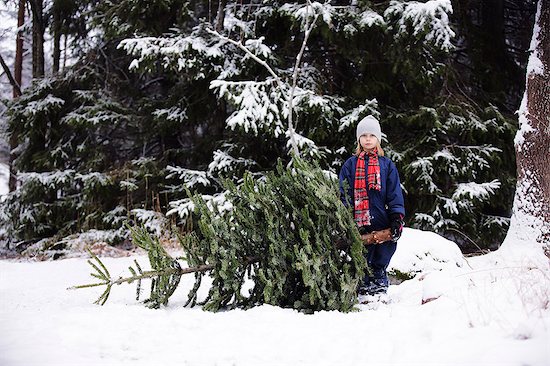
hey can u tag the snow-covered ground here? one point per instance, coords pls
(489, 310)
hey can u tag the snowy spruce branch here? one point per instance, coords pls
(429, 20)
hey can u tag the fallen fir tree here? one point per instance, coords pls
(287, 232)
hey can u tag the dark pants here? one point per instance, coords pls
(378, 258)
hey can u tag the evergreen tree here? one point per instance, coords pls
(165, 104)
(280, 233)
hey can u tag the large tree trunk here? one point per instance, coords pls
(531, 214)
(38, 29)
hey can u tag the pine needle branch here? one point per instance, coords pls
(165, 274)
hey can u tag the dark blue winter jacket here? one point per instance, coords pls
(383, 203)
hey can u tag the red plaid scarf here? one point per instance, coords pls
(361, 198)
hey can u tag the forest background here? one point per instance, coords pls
(128, 107)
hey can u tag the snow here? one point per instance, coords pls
(50, 103)
(257, 47)
(370, 18)
(307, 12)
(527, 223)
(232, 23)
(487, 310)
(423, 167)
(429, 252)
(535, 65)
(50, 179)
(182, 52)
(153, 221)
(186, 206)
(256, 105)
(303, 143)
(171, 114)
(223, 162)
(473, 190)
(4, 179)
(432, 15)
(192, 178)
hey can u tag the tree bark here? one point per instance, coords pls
(8, 74)
(38, 29)
(56, 27)
(531, 217)
(18, 66)
(220, 15)
(18, 76)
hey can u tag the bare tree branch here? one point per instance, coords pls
(308, 28)
(9, 75)
(252, 55)
(310, 24)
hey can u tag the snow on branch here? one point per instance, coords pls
(327, 105)
(308, 12)
(49, 103)
(225, 163)
(369, 18)
(450, 161)
(355, 115)
(249, 53)
(253, 95)
(305, 145)
(257, 105)
(424, 171)
(474, 158)
(177, 51)
(429, 20)
(116, 216)
(97, 109)
(191, 178)
(476, 191)
(94, 179)
(153, 221)
(216, 203)
(48, 179)
(257, 47)
(469, 124)
(175, 114)
(500, 221)
(233, 24)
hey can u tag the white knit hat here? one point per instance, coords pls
(369, 124)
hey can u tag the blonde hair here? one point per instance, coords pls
(359, 148)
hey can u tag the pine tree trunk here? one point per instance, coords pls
(38, 28)
(56, 27)
(531, 217)
(220, 15)
(18, 66)
(18, 75)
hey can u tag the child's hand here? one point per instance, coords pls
(396, 226)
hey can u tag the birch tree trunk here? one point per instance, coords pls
(531, 213)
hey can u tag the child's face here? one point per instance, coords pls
(368, 141)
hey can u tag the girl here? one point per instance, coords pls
(374, 192)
